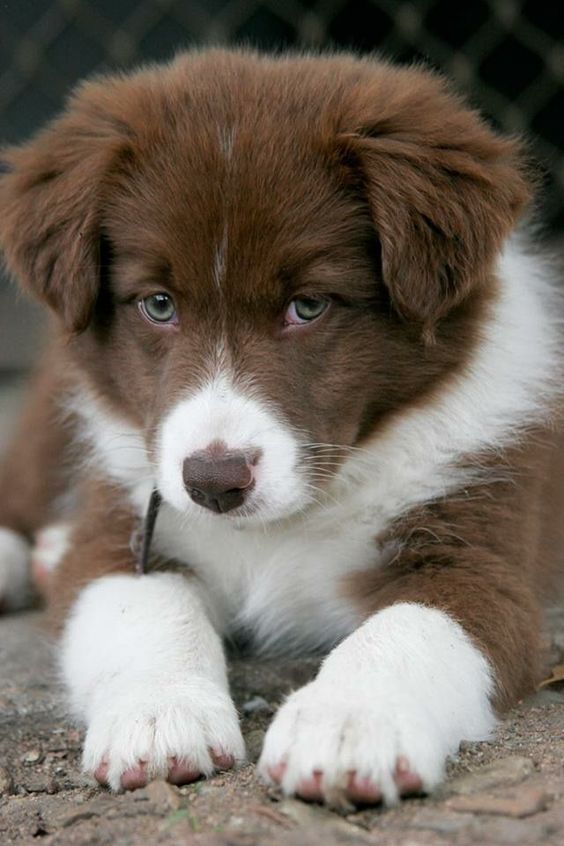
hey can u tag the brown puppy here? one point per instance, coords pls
(287, 301)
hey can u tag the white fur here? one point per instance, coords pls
(51, 546)
(281, 585)
(146, 672)
(15, 590)
(115, 446)
(408, 682)
(220, 412)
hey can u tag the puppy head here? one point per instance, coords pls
(251, 257)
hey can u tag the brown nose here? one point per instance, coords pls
(219, 482)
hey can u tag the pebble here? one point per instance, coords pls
(32, 756)
(98, 806)
(318, 818)
(441, 821)
(257, 705)
(78, 815)
(163, 794)
(505, 771)
(6, 782)
(519, 803)
(42, 784)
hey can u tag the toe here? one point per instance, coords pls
(222, 760)
(182, 772)
(101, 772)
(362, 791)
(134, 777)
(276, 772)
(311, 788)
(406, 780)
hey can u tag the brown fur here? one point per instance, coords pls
(371, 182)
(487, 556)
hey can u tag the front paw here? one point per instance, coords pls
(347, 749)
(177, 732)
(390, 703)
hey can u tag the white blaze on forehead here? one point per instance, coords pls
(242, 421)
(226, 141)
(226, 137)
(220, 258)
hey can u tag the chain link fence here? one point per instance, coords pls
(507, 55)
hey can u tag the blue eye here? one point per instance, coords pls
(305, 309)
(158, 308)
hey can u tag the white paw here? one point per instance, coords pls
(15, 588)
(343, 745)
(51, 545)
(177, 732)
(387, 708)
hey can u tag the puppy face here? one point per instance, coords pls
(254, 256)
(247, 326)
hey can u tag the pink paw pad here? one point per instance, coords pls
(131, 779)
(311, 788)
(276, 772)
(407, 781)
(101, 772)
(222, 760)
(359, 790)
(182, 772)
(362, 791)
(134, 777)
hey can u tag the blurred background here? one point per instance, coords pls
(506, 55)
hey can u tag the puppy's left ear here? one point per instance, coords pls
(444, 191)
(51, 194)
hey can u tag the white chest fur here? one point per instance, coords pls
(283, 584)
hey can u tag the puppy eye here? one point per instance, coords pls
(305, 309)
(158, 308)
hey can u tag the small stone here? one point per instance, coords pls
(163, 794)
(517, 803)
(78, 815)
(316, 817)
(32, 756)
(257, 705)
(254, 741)
(99, 806)
(506, 771)
(6, 782)
(42, 784)
(440, 821)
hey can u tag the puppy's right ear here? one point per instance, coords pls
(51, 197)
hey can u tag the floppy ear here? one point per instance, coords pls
(51, 196)
(444, 191)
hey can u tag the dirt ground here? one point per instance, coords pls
(510, 791)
